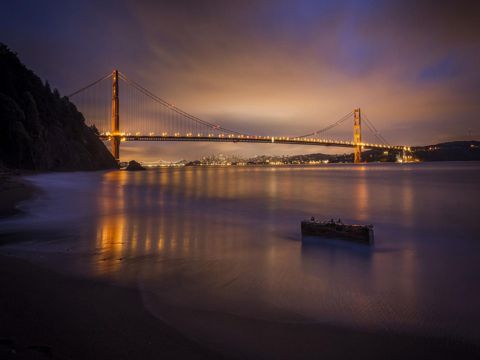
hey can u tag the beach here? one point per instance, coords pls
(47, 315)
(13, 189)
(44, 314)
(47, 311)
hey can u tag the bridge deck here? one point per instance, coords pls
(252, 139)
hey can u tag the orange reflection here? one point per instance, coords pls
(361, 195)
(150, 219)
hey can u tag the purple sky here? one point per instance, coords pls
(269, 67)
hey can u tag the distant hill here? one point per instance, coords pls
(449, 151)
(41, 130)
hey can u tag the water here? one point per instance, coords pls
(227, 241)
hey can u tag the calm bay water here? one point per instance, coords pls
(227, 241)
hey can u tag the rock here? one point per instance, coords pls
(134, 166)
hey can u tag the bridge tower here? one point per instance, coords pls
(357, 135)
(115, 117)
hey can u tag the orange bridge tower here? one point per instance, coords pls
(115, 117)
(357, 136)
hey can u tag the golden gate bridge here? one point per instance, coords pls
(147, 117)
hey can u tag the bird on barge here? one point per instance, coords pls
(337, 229)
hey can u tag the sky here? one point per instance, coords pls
(268, 67)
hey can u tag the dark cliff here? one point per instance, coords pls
(39, 129)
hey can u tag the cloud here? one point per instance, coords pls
(278, 67)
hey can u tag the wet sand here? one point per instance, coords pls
(13, 189)
(250, 338)
(44, 313)
(47, 314)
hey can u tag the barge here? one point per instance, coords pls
(337, 229)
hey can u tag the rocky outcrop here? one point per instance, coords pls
(134, 166)
(39, 129)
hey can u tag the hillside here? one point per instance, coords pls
(449, 151)
(41, 130)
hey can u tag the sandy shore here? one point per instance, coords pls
(13, 189)
(47, 314)
(44, 313)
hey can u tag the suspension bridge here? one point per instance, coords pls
(147, 117)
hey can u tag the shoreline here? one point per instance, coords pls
(49, 313)
(13, 190)
(45, 314)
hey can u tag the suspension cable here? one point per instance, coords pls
(374, 130)
(173, 107)
(90, 85)
(331, 126)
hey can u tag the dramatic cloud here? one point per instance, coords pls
(270, 67)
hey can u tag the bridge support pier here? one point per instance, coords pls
(116, 147)
(115, 117)
(357, 136)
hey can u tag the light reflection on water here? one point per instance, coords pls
(227, 239)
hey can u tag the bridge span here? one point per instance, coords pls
(252, 139)
(147, 117)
